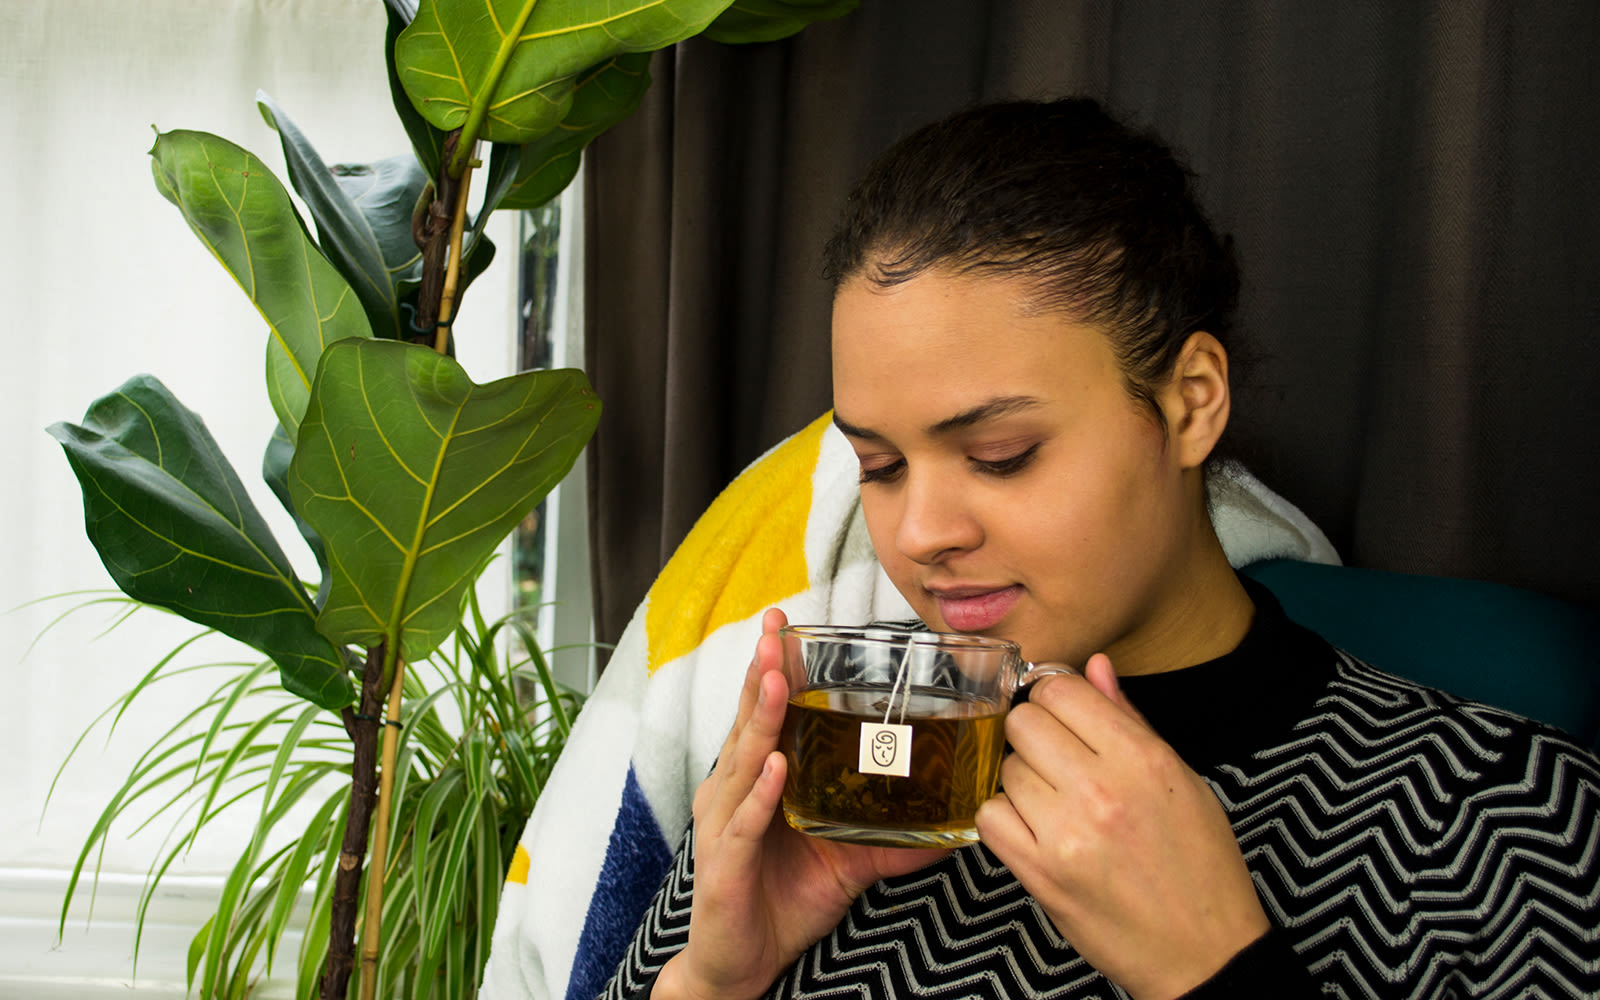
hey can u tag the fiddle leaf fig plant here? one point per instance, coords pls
(425, 484)
(402, 476)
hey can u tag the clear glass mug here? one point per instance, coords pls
(895, 737)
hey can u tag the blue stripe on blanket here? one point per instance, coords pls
(637, 859)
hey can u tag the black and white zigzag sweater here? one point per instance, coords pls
(1404, 844)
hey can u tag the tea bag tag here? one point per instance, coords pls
(885, 749)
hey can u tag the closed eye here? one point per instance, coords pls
(1009, 466)
(883, 473)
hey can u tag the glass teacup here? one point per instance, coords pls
(895, 737)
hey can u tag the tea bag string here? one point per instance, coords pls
(900, 679)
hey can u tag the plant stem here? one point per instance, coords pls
(380, 838)
(452, 275)
(456, 164)
(432, 235)
(362, 725)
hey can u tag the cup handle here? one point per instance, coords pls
(1033, 673)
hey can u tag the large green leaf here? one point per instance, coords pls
(543, 167)
(244, 216)
(174, 526)
(275, 471)
(505, 70)
(426, 141)
(770, 20)
(363, 217)
(412, 474)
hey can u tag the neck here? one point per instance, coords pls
(1200, 613)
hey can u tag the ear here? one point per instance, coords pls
(1196, 400)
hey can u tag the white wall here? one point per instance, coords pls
(101, 279)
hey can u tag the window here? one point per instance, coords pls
(550, 562)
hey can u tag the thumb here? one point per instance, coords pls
(1100, 673)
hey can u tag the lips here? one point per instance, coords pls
(974, 609)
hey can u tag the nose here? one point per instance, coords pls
(935, 520)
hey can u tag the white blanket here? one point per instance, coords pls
(787, 533)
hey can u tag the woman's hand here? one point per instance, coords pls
(763, 892)
(1126, 849)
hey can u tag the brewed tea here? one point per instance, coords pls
(954, 765)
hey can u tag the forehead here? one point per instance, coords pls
(960, 338)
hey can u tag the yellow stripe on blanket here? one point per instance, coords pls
(746, 552)
(518, 872)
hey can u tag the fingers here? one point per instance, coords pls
(742, 793)
(751, 783)
(768, 656)
(1091, 708)
(1103, 677)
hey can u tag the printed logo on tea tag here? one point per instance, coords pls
(885, 749)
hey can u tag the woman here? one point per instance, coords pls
(1031, 318)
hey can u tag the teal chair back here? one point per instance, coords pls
(1528, 653)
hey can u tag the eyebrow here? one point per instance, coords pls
(998, 407)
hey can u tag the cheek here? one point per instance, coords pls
(883, 521)
(1115, 499)
(882, 517)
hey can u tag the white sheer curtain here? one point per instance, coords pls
(102, 280)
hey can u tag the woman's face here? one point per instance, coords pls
(1011, 485)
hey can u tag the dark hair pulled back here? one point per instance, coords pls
(1101, 220)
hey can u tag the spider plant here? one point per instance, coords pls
(471, 759)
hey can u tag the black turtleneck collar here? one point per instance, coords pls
(1228, 708)
(1247, 700)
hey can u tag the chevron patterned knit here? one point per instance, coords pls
(1404, 843)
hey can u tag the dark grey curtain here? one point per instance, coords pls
(1411, 187)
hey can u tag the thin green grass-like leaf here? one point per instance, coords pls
(399, 928)
(524, 781)
(475, 763)
(212, 970)
(121, 705)
(314, 946)
(422, 726)
(501, 700)
(228, 704)
(446, 791)
(475, 608)
(184, 795)
(244, 939)
(248, 936)
(103, 596)
(155, 874)
(294, 872)
(400, 953)
(185, 791)
(427, 972)
(490, 870)
(286, 748)
(197, 950)
(450, 889)
(153, 677)
(120, 799)
(398, 815)
(224, 767)
(456, 957)
(551, 690)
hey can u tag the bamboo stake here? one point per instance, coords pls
(377, 870)
(371, 936)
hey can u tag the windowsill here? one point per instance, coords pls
(97, 959)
